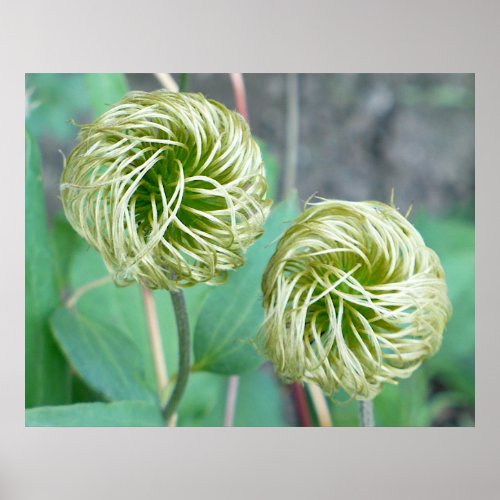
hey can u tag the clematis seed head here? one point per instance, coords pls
(353, 298)
(170, 188)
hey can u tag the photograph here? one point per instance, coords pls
(249, 250)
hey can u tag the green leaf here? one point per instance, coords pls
(453, 240)
(53, 101)
(65, 243)
(272, 170)
(344, 411)
(454, 363)
(123, 308)
(46, 372)
(259, 403)
(225, 333)
(405, 404)
(82, 393)
(202, 403)
(105, 89)
(102, 355)
(447, 236)
(108, 304)
(118, 414)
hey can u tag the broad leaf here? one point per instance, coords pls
(105, 89)
(102, 355)
(260, 401)
(46, 372)
(454, 362)
(118, 414)
(405, 404)
(447, 236)
(82, 393)
(123, 308)
(203, 400)
(65, 243)
(453, 240)
(225, 332)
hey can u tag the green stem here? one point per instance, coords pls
(181, 319)
(366, 418)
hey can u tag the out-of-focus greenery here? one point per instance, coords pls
(46, 369)
(95, 358)
(53, 101)
(443, 95)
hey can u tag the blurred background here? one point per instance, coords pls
(357, 137)
(360, 135)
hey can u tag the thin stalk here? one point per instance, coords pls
(181, 319)
(231, 397)
(292, 133)
(155, 342)
(240, 99)
(300, 399)
(71, 302)
(180, 311)
(289, 183)
(366, 417)
(320, 405)
(239, 93)
(167, 81)
(289, 179)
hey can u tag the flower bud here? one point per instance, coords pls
(353, 298)
(170, 188)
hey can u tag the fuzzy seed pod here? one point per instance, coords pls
(170, 188)
(353, 298)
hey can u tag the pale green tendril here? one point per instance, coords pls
(353, 298)
(170, 188)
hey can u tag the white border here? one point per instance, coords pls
(253, 36)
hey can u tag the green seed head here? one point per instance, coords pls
(353, 298)
(170, 188)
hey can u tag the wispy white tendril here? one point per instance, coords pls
(170, 188)
(353, 298)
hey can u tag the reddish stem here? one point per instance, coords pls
(232, 390)
(300, 399)
(239, 94)
(298, 392)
